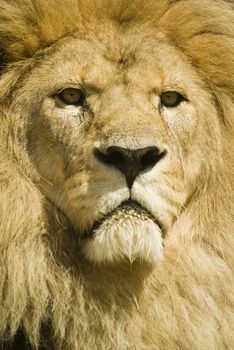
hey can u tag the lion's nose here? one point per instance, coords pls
(130, 162)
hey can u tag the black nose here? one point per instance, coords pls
(130, 162)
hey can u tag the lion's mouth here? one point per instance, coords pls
(126, 209)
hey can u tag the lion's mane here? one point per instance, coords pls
(186, 302)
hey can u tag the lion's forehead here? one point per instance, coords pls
(139, 60)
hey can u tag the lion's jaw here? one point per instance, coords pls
(129, 232)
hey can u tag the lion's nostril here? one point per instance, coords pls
(148, 159)
(151, 157)
(130, 162)
(111, 157)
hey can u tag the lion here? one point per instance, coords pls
(117, 174)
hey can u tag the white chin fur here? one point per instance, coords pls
(130, 239)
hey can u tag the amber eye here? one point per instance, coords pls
(71, 96)
(171, 98)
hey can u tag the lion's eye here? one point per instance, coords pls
(71, 96)
(171, 98)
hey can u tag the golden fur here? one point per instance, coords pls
(117, 291)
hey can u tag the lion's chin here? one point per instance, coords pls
(129, 233)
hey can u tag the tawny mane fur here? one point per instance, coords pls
(46, 290)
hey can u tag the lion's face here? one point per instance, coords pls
(116, 133)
